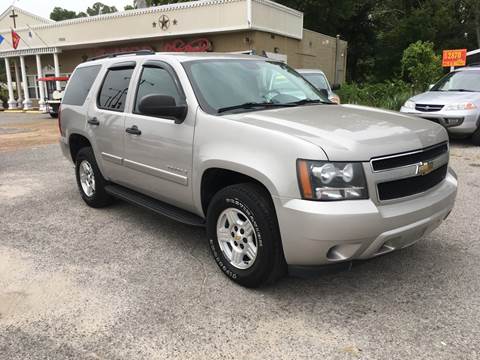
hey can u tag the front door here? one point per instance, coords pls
(158, 152)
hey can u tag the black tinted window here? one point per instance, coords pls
(156, 81)
(79, 85)
(114, 89)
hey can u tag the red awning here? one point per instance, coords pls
(53, 78)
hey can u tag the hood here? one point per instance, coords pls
(349, 132)
(446, 97)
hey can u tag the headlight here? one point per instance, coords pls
(330, 181)
(461, 106)
(409, 104)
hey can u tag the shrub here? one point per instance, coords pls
(389, 95)
(420, 65)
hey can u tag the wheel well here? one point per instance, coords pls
(215, 179)
(77, 142)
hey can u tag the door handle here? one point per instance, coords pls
(93, 121)
(133, 130)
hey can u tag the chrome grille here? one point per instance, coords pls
(401, 175)
(428, 107)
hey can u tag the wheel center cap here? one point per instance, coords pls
(238, 237)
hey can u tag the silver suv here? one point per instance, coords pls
(453, 102)
(280, 177)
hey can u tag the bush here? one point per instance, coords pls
(420, 65)
(390, 95)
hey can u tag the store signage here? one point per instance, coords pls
(197, 45)
(454, 58)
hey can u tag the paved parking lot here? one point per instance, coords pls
(123, 283)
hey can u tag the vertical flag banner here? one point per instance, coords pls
(1, 39)
(15, 39)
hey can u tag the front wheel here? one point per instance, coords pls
(243, 235)
(476, 137)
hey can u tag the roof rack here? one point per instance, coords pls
(115, 54)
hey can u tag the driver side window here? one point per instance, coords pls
(156, 80)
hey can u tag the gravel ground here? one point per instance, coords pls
(123, 283)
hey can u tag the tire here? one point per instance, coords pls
(476, 137)
(253, 215)
(95, 196)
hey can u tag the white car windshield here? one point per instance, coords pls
(468, 81)
(236, 85)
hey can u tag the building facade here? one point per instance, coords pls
(49, 48)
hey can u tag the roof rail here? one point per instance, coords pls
(115, 54)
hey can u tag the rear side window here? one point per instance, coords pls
(79, 85)
(113, 93)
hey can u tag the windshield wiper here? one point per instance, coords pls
(252, 105)
(461, 90)
(309, 101)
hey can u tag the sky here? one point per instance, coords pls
(44, 7)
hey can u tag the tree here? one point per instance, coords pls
(420, 65)
(59, 14)
(98, 9)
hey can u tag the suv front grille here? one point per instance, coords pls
(411, 173)
(396, 161)
(428, 107)
(411, 186)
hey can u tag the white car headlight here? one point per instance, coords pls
(330, 181)
(460, 106)
(409, 104)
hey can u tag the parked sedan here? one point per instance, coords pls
(453, 102)
(318, 79)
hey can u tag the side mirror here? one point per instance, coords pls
(163, 106)
(324, 92)
(336, 87)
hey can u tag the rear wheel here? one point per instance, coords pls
(243, 235)
(90, 181)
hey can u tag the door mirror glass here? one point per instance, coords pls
(324, 92)
(162, 106)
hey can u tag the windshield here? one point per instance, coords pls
(459, 81)
(238, 85)
(318, 80)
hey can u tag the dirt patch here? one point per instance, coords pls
(15, 136)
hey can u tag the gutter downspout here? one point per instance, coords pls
(249, 14)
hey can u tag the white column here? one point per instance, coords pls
(18, 82)
(27, 103)
(12, 104)
(41, 92)
(57, 71)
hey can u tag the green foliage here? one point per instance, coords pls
(420, 65)
(98, 8)
(390, 95)
(59, 14)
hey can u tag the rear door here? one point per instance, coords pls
(158, 160)
(106, 118)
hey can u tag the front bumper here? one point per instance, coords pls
(320, 233)
(461, 122)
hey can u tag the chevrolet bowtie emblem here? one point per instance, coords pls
(425, 168)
